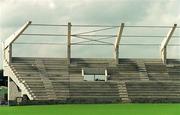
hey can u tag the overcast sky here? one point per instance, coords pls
(14, 13)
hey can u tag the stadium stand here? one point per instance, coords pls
(91, 80)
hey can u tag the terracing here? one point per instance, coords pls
(92, 80)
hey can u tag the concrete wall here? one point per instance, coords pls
(13, 90)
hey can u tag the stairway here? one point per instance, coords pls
(44, 77)
(123, 92)
(142, 70)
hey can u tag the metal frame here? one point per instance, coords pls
(7, 47)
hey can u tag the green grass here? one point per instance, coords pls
(93, 109)
(3, 90)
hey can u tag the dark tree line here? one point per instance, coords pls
(1, 73)
(3, 80)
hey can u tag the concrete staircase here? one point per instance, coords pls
(123, 92)
(45, 79)
(142, 70)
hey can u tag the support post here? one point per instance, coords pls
(8, 89)
(69, 44)
(116, 44)
(164, 43)
(8, 53)
(2, 49)
(106, 75)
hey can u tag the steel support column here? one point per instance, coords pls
(69, 44)
(116, 44)
(164, 43)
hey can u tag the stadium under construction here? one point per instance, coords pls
(38, 80)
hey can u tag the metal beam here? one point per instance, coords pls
(164, 43)
(69, 44)
(14, 36)
(116, 44)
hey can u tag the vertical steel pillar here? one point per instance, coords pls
(116, 44)
(69, 44)
(164, 43)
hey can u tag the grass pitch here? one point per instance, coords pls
(93, 109)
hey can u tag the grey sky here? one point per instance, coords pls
(14, 13)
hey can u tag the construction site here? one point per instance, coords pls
(68, 79)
